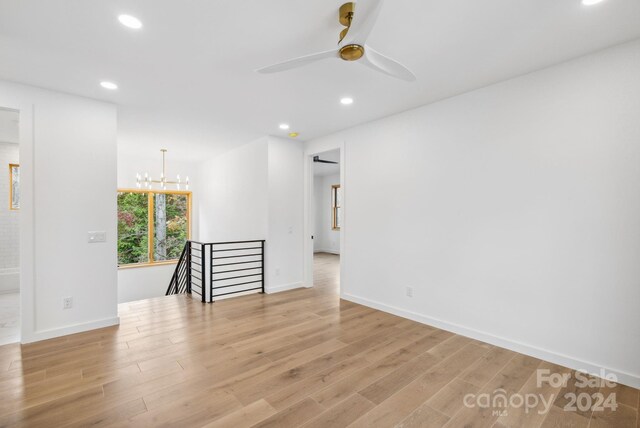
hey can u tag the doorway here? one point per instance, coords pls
(327, 220)
(9, 227)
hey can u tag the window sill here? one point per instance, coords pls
(143, 265)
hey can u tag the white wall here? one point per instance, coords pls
(152, 281)
(234, 195)
(145, 282)
(286, 196)
(68, 156)
(256, 192)
(318, 185)
(325, 238)
(513, 211)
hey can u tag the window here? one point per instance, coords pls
(153, 226)
(336, 209)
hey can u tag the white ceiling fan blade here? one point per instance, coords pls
(364, 19)
(386, 65)
(298, 62)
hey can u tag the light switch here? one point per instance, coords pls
(97, 236)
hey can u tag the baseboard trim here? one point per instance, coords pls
(625, 378)
(285, 287)
(72, 329)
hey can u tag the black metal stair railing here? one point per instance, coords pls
(216, 269)
(179, 281)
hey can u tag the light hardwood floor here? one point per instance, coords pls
(299, 358)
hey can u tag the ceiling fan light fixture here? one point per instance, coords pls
(353, 44)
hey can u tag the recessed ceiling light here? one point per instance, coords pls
(590, 2)
(109, 85)
(130, 21)
(346, 101)
(284, 126)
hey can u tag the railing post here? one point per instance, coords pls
(262, 265)
(188, 267)
(203, 260)
(211, 274)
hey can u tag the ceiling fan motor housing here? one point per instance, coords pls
(351, 52)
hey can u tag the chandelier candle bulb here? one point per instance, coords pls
(148, 181)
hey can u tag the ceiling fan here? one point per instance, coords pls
(353, 43)
(317, 159)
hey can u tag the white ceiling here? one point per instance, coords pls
(9, 130)
(187, 79)
(322, 169)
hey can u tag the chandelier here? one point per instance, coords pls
(147, 182)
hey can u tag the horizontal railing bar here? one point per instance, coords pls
(234, 285)
(237, 263)
(235, 277)
(235, 257)
(235, 242)
(236, 292)
(196, 270)
(237, 270)
(194, 263)
(237, 249)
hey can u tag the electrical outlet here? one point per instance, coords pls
(409, 291)
(67, 303)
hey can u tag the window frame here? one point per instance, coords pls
(151, 226)
(334, 206)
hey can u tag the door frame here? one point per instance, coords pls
(311, 151)
(26, 215)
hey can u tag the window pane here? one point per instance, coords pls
(338, 217)
(170, 225)
(133, 238)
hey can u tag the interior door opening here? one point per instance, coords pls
(9, 227)
(327, 223)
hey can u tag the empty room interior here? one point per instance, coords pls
(320, 214)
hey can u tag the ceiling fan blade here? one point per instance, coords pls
(298, 62)
(386, 65)
(364, 19)
(317, 159)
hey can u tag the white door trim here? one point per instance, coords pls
(308, 214)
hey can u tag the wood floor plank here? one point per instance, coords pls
(342, 414)
(293, 416)
(246, 416)
(298, 358)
